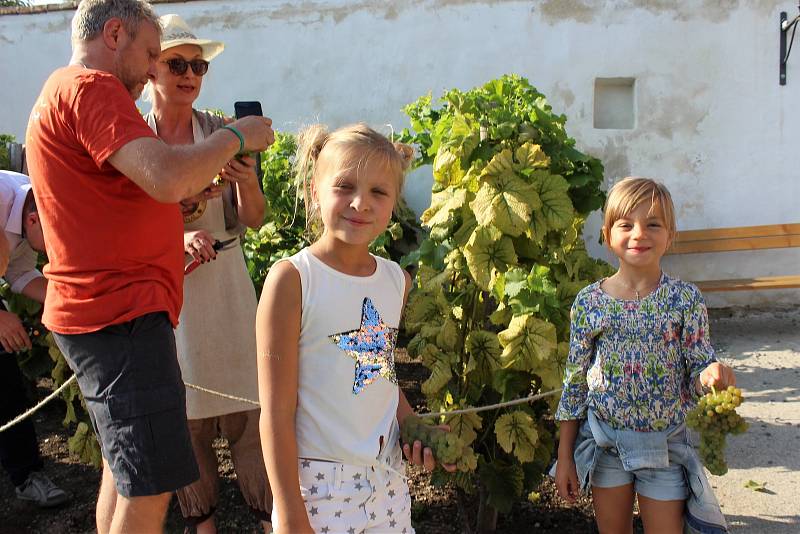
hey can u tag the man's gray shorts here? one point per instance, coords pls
(130, 377)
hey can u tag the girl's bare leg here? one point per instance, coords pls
(613, 509)
(661, 517)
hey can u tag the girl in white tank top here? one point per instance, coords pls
(326, 331)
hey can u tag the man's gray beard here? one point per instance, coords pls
(123, 74)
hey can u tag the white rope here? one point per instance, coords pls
(514, 402)
(497, 406)
(476, 409)
(26, 414)
(219, 394)
(21, 417)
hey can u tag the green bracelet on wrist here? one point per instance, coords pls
(238, 134)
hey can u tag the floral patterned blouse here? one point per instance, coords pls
(634, 363)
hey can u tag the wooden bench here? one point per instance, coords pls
(740, 238)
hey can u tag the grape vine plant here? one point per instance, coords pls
(497, 274)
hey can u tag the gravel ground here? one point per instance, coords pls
(763, 346)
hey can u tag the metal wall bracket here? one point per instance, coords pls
(782, 47)
(785, 26)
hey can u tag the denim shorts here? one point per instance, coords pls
(130, 377)
(660, 484)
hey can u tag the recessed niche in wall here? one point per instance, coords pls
(614, 103)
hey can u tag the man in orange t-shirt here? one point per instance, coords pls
(107, 190)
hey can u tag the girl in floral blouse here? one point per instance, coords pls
(639, 357)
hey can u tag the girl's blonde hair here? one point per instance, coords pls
(626, 195)
(352, 147)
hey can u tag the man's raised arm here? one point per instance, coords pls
(170, 173)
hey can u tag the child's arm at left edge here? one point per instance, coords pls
(416, 455)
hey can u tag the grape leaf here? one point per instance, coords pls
(440, 376)
(511, 383)
(468, 225)
(465, 135)
(464, 426)
(503, 482)
(505, 201)
(527, 341)
(516, 281)
(431, 279)
(516, 432)
(556, 210)
(501, 163)
(756, 486)
(484, 350)
(431, 354)
(531, 156)
(488, 249)
(416, 345)
(526, 248)
(501, 316)
(442, 204)
(447, 338)
(422, 308)
(447, 167)
(83, 444)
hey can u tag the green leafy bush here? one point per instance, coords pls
(499, 271)
(283, 231)
(5, 139)
(45, 359)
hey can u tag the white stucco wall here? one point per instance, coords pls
(712, 121)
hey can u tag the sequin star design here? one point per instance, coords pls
(371, 346)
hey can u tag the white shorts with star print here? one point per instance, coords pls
(349, 499)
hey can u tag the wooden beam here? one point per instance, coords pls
(764, 282)
(736, 238)
(726, 245)
(739, 232)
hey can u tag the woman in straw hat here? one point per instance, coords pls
(215, 336)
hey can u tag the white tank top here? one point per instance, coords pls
(347, 388)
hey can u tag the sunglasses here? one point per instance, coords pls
(178, 66)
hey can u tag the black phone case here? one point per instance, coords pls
(245, 109)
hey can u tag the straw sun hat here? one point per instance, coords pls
(176, 32)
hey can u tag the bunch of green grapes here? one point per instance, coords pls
(447, 448)
(714, 418)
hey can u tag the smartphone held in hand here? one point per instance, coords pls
(246, 109)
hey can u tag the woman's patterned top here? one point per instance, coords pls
(634, 363)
